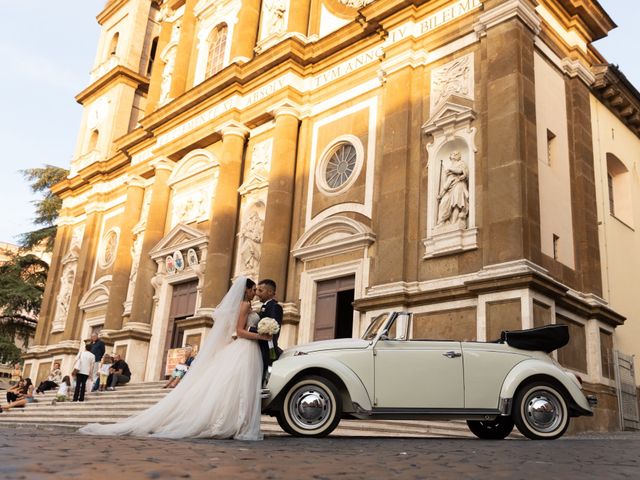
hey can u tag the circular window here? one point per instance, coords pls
(340, 165)
(110, 244)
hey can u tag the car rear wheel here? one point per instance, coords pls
(312, 408)
(540, 411)
(496, 429)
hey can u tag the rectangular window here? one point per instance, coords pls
(612, 205)
(551, 146)
(556, 242)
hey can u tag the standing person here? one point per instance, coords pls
(84, 368)
(52, 381)
(266, 292)
(103, 371)
(120, 373)
(97, 348)
(219, 397)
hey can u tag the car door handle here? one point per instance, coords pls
(452, 354)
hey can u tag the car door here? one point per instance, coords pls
(418, 374)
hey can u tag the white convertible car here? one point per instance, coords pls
(387, 374)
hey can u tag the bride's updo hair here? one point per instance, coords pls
(250, 283)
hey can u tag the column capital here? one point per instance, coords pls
(522, 9)
(233, 128)
(287, 108)
(135, 181)
(163, 164)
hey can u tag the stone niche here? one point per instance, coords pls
(451, 216)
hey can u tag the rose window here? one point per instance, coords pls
(340, 165)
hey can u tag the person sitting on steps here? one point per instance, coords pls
(120, 373)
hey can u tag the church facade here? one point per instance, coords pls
(470, 161)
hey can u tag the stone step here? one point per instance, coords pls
(127, 400)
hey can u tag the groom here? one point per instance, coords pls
(266, 292)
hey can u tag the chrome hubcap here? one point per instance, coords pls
(543, 411)
(310, 407)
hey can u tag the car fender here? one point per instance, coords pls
(284, 370)
(535, 367)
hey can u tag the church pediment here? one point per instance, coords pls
(180, 237)
(454, 111)
(332, 236)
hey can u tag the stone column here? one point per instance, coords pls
(299, 16)
(48, 309)
(583, 187)
(154, 231)
(390, 204)
(86, 260)
(185, 47)
(245, 32)
(224, 218)
(511, 210)
(276, 236)
(122, 266)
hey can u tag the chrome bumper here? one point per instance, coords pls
(265, 393)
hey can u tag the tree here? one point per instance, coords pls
(22, 283)
(47, 208)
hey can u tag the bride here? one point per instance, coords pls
(219, 396)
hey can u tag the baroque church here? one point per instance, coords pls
(469, 161)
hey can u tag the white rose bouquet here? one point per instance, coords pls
(269, 326)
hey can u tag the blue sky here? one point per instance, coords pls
(48, 49)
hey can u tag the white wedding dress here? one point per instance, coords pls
(218, 397)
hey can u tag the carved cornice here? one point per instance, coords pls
(591, 15)
(119, 74)
(520, 9)
(616, 92)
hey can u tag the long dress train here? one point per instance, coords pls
(219, 395)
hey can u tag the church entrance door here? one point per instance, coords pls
(334, 309)
(183, 305)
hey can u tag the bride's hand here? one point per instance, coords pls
(265, 337)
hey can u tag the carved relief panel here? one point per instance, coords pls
(253, 209)
(67, 279)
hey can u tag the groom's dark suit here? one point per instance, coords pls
(270, 308)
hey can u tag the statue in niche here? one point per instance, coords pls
(276, 10)
(64, 296)
(250, 240)
(453, 195)
(167, 72)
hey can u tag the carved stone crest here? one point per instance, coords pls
(453, 78)
(356, 3)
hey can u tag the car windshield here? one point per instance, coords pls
(376, 324)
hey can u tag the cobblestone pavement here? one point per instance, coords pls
(44, 454)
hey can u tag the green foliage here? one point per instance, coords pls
(22, 283)
(9, 353)
(47, 208)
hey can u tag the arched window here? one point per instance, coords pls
(619, 190)
(93, 140)
(217, 43)
(113, 46)
(152, 55)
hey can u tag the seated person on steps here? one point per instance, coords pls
(120, 373)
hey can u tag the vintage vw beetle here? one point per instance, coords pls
(387, 374)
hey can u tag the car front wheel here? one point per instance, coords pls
(312, 408)
(540, 411)
(497, 429)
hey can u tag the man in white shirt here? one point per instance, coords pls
(84, 368)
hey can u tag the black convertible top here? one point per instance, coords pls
(546, 339)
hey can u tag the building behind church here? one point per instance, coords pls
(471, 161)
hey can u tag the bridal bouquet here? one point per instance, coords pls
(269, 326)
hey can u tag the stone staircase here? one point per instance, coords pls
(126, 400)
